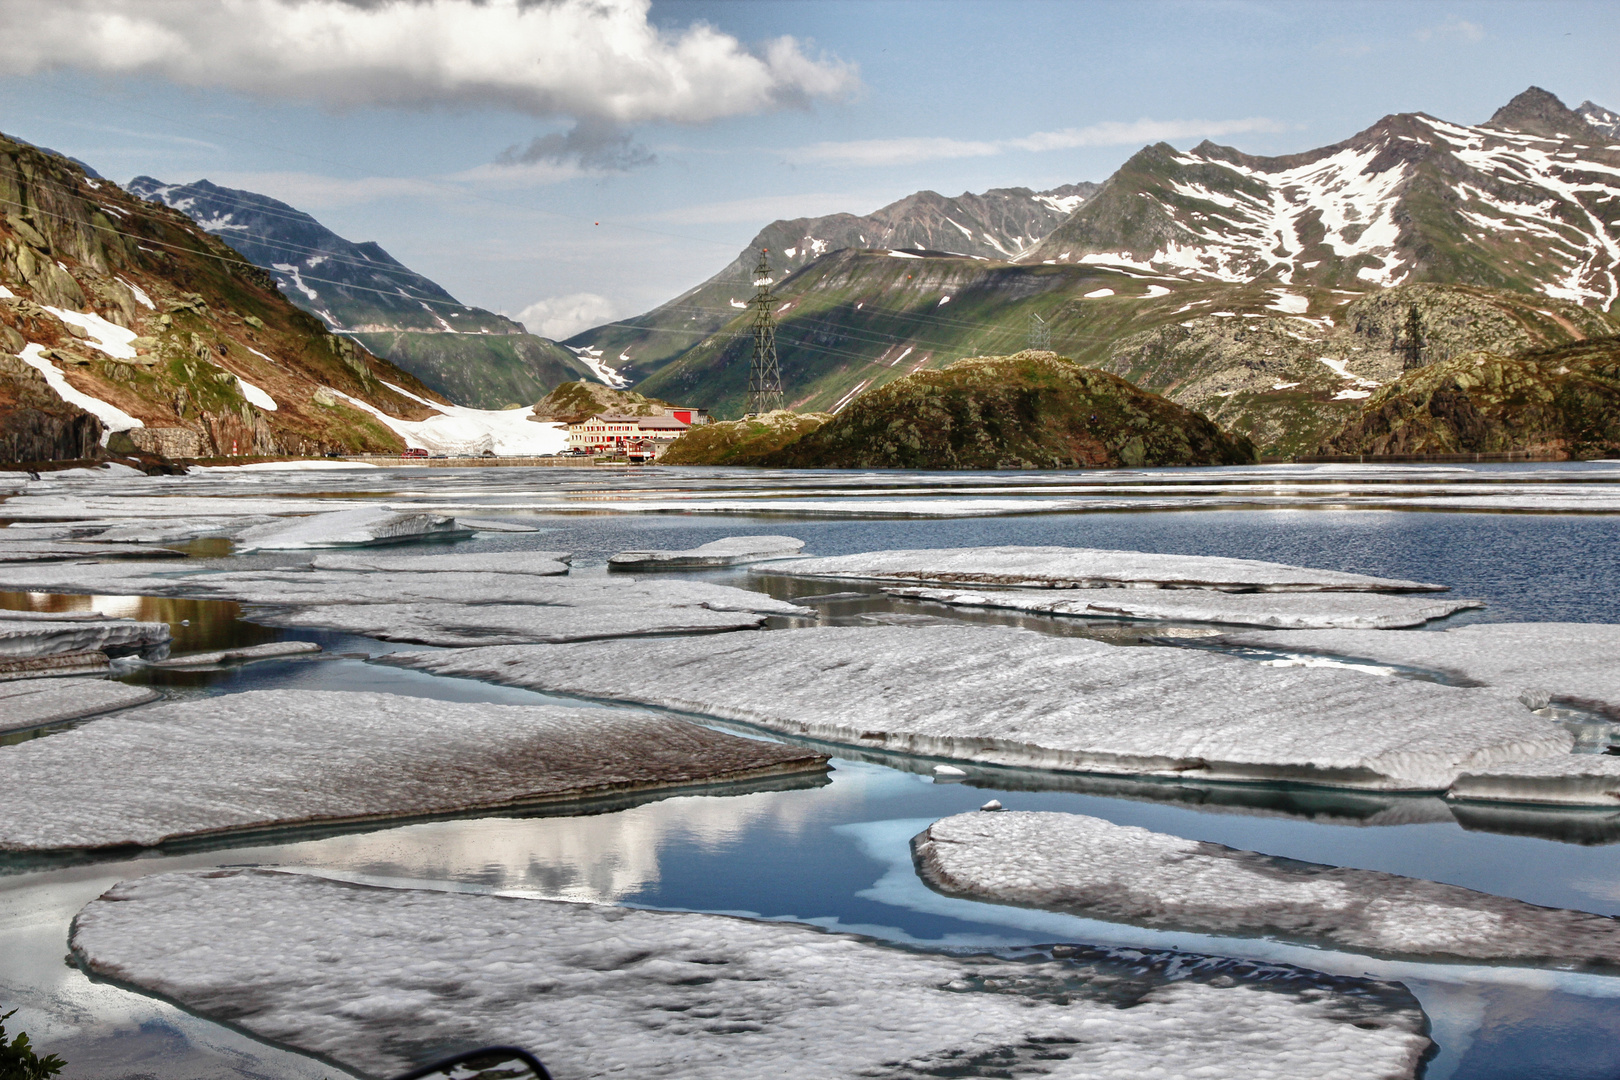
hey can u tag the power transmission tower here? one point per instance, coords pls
(764, 376)
(1412, 348)
(1040, 335)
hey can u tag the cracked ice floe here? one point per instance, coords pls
(291, 757)
(534, 563)
(1089, 568)
(381, 979)
(1281, 610)
(341, 528)
(1004, 696)
(25, 636)
(270, 650)
(51, 551)
(30, 703)
(1571, 780)
(1124, 874)
(1567, 662)
(727, 551)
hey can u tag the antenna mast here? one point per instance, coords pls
(1040, 335)
(764, 376)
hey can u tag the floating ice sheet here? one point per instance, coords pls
(344, 528)
(289, 757)
(1000, 695)
(1119, 873)
(1574, 662)
(381, 979)
(727, 551)
(1286, 610)
(1570, 780)
(30, 703)
(538, 563)
(1087, 568)
(24, 638)
(270, 650)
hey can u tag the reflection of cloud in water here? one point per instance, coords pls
(600, 857)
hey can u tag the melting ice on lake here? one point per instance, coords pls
(1007, 696)
(1119, 873)
(1087, 568)
(382, 978)
(287, 757)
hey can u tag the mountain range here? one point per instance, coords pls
(1002, 223)
(471, 356)
(125, 326)
(1270, 293)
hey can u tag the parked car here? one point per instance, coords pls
(414, 452)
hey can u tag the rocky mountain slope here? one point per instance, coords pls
(1002, 223)
(1555, 403)
(741, 442)
(1528, 201)
(1032, 410)
(122, 323)
(1288, 353)
(472, 356)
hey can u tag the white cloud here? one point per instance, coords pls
(562, 317)
(910, 150)
(311, 191)
(1454, 29)
(601, 59)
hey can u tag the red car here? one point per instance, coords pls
(414, 452)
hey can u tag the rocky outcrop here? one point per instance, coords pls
(154, 326)
(1553, 403)
(741, 442)
(573, 402)
(36, 424)
(1032, 410)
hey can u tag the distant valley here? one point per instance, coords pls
(471, 356)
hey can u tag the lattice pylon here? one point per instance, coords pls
(764, 374)
(1040, 335)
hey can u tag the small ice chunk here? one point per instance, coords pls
(270, 650)
(283, 757)
(36, 702)
(993, 804)
(729, 551)
(488, 525)
(1123, 874)
(1088, 568)
(342, 528)
(948, 770)
(378, 979)
(1290, 610)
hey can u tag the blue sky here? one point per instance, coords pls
(482, 144)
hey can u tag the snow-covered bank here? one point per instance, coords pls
(462, 431)
(1087, 568)
(1015, 697)
(288, 757)
(381, 978)
(1117, 873)
(1578, 663)
(1313, 610)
